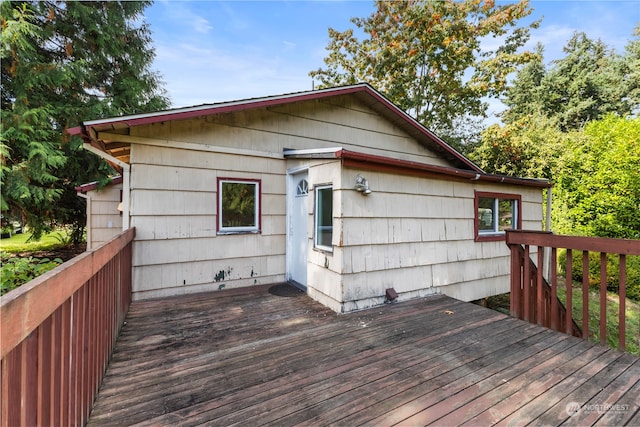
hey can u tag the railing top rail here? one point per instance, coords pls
(593, 244)
(25, 308)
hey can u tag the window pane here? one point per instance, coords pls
(485, 214)
(506, 214)
(239, 204)
(324, 217)
(303, 188)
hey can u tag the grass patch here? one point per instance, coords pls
(18, 242)
(632, 310)
(501, 303)
(23, 260)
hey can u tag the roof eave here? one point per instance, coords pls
(224, 107)
(85, 188)
(355, 159)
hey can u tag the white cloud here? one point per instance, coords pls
(553, 38)
(201, 25)
(220, 51)
(197, 74)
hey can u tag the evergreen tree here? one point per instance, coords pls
(64, 61)
(631, 72)
(586, 84)
(526, 96)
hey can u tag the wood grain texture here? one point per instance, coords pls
(272, 356)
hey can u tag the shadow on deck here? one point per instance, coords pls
(271, 355)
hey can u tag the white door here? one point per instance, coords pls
(298, 219)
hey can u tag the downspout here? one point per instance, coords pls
(126, 174)
(548, 222)
(547, 227)
(88, 226)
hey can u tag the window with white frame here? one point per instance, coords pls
(238, 205)
(496, 212)
(323, 217)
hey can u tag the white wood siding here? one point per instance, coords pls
(174, 170)
(174, 209)
(415, 235)
(304, 125)
(103, 218)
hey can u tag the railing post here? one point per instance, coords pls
(539, 297)
(603, 297)
(555, 321)
(585, 295)
(569, 284)
(527, 279)
(622, 310)
(516, 280)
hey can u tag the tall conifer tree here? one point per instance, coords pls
(64, 61)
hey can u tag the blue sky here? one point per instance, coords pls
(212, 51)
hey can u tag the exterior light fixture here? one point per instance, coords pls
(362, 185)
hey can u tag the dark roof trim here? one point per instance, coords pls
(207, 109)
(407, 167)
(227, 107)
(84, 188)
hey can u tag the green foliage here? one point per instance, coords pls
(612, 313)
(598, 190)
(65, 239)
(29, 150)
(524, 97)
(465, 134)
(632, 70)
(598, 194)
(574, 125)
(585, 85)
(427, 56)
(530, 146)
(18, 271)
(612, 272)
(64, 61)
(588, 83)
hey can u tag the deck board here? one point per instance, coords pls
(270, 355)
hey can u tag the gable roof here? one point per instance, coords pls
(362, 91)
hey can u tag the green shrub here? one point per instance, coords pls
(18, 271)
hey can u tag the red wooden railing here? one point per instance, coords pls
(535, 299)
(57, 335)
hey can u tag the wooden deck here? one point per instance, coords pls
(272, 356)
